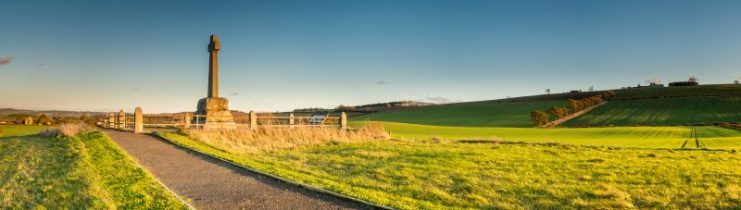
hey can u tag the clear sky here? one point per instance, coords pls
(281, 55)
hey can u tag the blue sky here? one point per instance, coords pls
(281, 55)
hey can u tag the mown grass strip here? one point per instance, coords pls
(85, 172)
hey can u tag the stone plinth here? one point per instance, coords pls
(216, 112)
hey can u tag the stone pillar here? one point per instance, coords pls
(343, 121)
(253, 120)
(138, 120)
(213, 67)
(121, 120)
(187, 119)
(291, 120)
(111, 120)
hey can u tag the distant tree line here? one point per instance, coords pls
(541, 118)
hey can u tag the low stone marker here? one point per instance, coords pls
(253, 120)
(111, 120)
(121, 122)
(138, 120)
(343, 121)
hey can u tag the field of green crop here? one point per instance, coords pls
(659, 106)
(665, 111)
(692, 91)
(478, 114)
(87, 172)
(413, 174)
(21, 130)
(649, 137)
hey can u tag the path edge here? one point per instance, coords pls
(278, 178)
(132, 158)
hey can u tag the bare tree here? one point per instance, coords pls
(693, 79)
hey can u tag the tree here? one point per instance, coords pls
(573, 105)
(45, 120)
(548, 91)
(558, 112)
(539, 118)
(735, 82)
(87, 120)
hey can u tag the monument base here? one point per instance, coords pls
(216, 112)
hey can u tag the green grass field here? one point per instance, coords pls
(87, 172)
(412, 174)
(21, 130)
(650, 137)
(665, 111)
(660, 106)
(477, 114)
(692, 91)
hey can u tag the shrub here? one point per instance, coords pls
(539, 118)
(67, 130)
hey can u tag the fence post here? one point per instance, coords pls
(291, 121)
(138, 120)
(253, 120)
(187, 118)
(343, 121)
(121, 120)
(111, 120)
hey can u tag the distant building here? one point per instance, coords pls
(655, 85)
(27, 121)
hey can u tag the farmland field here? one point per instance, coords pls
(650, 137)
(498, 114)
(86, 172)
(413, 174)
(668, 92)
(21, 130)
(665, 111)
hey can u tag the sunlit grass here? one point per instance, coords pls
(651, 137)
(414, 174)
(85, 172)
(21, 130)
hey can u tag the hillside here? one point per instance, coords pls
(637, 106)
(478, 114)
(706, 104)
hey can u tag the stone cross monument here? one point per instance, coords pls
(214, 108)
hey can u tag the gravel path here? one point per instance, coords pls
(213, 184)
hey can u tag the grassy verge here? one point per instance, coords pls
(21, 130)
(85, 172)
(650, 137)
(423, 175)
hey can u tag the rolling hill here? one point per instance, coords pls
(706, 104)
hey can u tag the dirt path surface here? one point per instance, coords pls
(213, 184)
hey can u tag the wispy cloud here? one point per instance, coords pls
(5, 60)
(382, 82)
(235, 93)
(134, 90)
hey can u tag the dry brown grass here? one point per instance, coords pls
(67, 130)
(275, 138)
